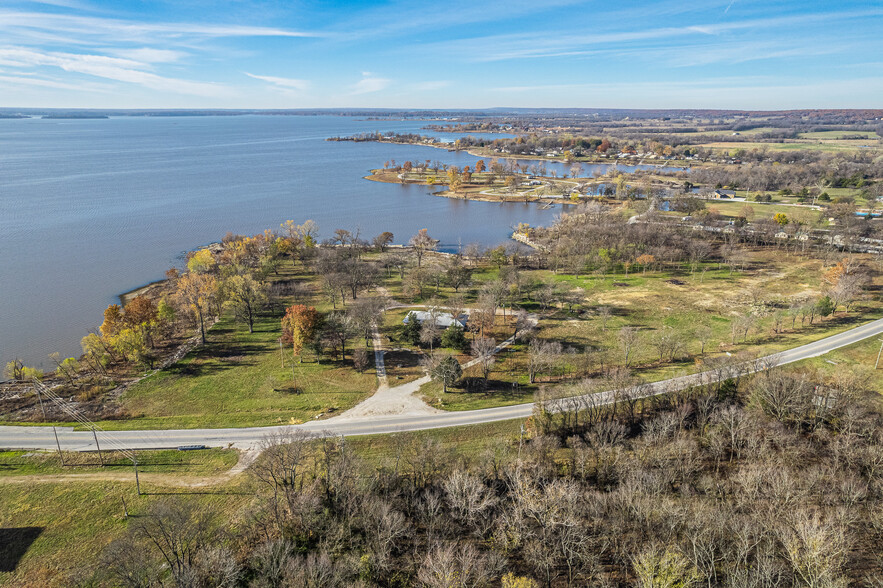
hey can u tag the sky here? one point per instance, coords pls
(732, 54)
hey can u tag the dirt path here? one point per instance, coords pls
(388, 400)
(400, 400)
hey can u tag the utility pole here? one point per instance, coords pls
(40, 399)
(137, 481)
(100, 456)
(878, 354)
(57, 444)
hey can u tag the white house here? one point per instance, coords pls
(442, 319)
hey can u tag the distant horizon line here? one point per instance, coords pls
(38, 110)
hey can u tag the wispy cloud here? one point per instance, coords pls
(116, 30)
(102, 66)
(284, 83)
(549, 44)
(150, 55)
(404, 16)
(370, 83)
(62, 4)
(44, 83)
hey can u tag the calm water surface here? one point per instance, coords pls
(93, 208)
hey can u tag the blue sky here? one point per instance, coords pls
(409, 54)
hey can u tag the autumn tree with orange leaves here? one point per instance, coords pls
(299, 326)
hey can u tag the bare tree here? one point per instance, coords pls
(178, 529)
(629, 339)
(421, 243)
(483, 350)
(668, 343)
(604, 313)
(542, 356)
(457, 566)
(470, 501)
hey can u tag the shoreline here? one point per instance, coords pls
(127, 297)
(683, 164)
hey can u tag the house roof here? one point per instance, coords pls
(442, 319)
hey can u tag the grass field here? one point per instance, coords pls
(57, 530)
(858, 359)
(202, 462)
(460, 442)
(839, 134)
(237, 380)
(805, 145)
(766, 210)
(710, 298)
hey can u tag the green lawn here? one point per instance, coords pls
(765, 210)
(202, 462)
(237, 380)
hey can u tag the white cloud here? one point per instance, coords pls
(118, 30)
(543, 44)
(285, 83)
(150, 55)
(42, 83)
(112, 68)
(369, 83)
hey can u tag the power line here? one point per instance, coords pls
(77, 415)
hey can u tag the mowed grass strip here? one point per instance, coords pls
(201, 462)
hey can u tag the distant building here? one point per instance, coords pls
(442, 319)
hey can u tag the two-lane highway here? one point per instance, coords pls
(42, 437)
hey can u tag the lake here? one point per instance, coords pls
(90, 209)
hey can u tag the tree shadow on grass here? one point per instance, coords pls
(493, 388)
(14, 544)
(216, 359)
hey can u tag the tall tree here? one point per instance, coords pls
(483, 350)
(299, 327)
(422, 243)
(382, 241)
(245, 295)
(196, 292)
(444, 368)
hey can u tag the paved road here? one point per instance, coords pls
(41, 437)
